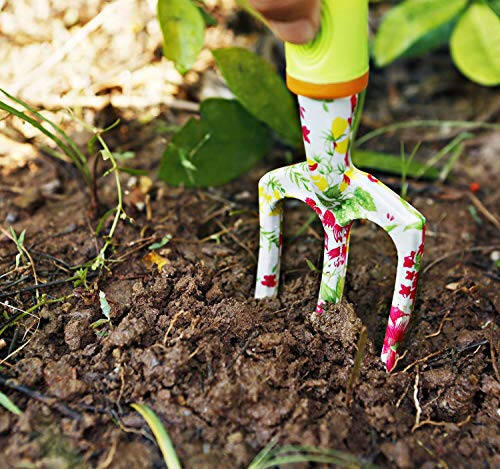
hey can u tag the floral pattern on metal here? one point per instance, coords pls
(339, 193)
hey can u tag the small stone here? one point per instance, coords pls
(11, 217)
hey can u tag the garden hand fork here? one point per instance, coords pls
(327, 74)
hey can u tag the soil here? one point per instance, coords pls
(227, 373)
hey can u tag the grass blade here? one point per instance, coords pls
(392, 164)
(61, 132)
(161, 435)
(425, 123)
(444, 151)
(8, 404)
(457, 153)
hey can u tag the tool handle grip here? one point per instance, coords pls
(335, 62)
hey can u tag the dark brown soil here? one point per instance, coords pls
(227, 373)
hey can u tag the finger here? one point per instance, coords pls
(292, 20)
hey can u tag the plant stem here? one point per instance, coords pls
(425, 123)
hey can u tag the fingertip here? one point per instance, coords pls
(297, 32)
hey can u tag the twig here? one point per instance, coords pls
(47, 400)
(45, 285)
(441, 424)
(41, 303)
(356, 368)
(420, 360)
(434, 334)
(480, 206)
(459, 251)
(236, 240)
(417, 404)
(28, 255)
(492, 352)
(405, 392)
(111, 454)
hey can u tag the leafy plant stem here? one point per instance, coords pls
(425, 123)
(357, 114)
(43, 302)
(119, 206)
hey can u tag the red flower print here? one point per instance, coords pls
(410, 275)
(410, 260)
(372, 179)
(391, 360)
(346, 179)
(302, 111)
(338, 232)
(421, 247)
(346, 159)
(312, 167)
(349, 121)
(334, 253)
(405, 291)
(313, 205)
(319, 308)
(269, 281)
(354, 101)
(329, 219)
(413, 294)
(310, 202)
(339, 253)
(394, 335)
(396, 313)
(390, 217)
(305, 134)
(326, 240)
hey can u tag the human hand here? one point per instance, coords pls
(294, 21)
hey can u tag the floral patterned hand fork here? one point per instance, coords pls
(327, 75)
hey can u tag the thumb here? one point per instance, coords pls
(294, 21)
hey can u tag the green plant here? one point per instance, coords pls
(8, 404)
(233, 135)
(472, 27)
(162, 438)
(270, 456)
(97, 148)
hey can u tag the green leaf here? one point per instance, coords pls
(495, 6)
(432, 40)
(365, 199)
(207, 17)
(105, 308)
(418, 225)
(475, 45)
(260, 90)
(327, 293)
(237, 141)
(339, 290)
(407, 22)
(183, 31)
(99, 323)
(8, 404)
(133, 171)
(389, 228)
(161, 243)
(334, 192)
(348, 211)
(311, 266)
(161, 436)
(391, 164)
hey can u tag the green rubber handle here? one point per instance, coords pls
(339, 52)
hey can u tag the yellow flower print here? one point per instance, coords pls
(339, 126)
(320, 182)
